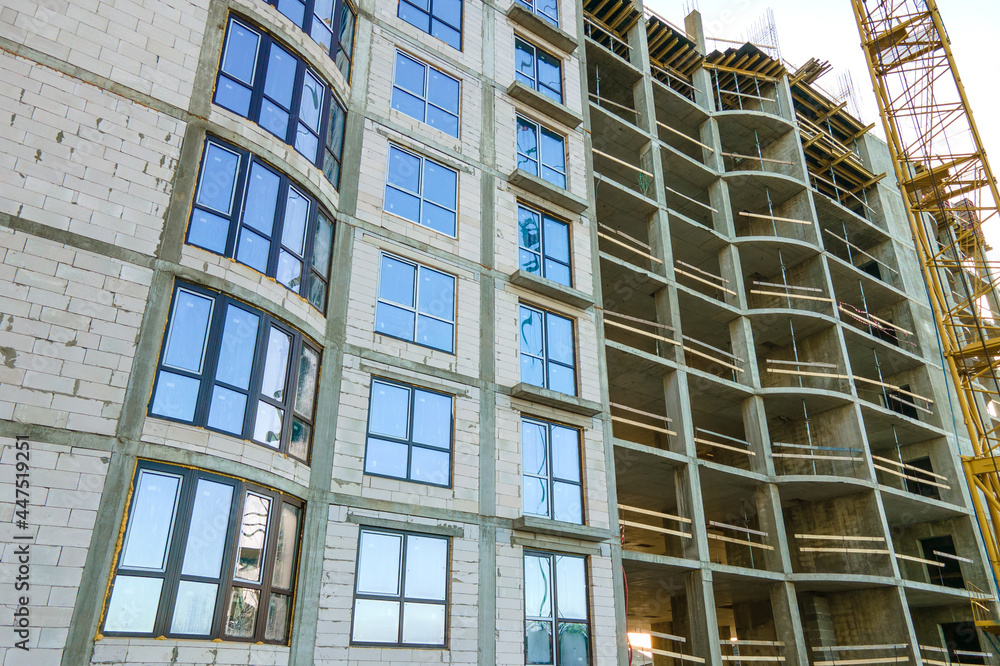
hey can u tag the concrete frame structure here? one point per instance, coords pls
(109, 105)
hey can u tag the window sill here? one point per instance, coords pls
(549, 398)
(542, 28)
(559, 528)
(540, 102)
(546, 287)
(546, 190)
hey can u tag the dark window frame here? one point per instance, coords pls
(175, 550)
(551, 478)
(207, 377)
(432, 17)
(336, 41)
(408, 441)
(532, 5)
(535, 82)
(542, 254)
(309, 271)
(539, 160)
(555, 619)
(420, 194)
(427, 93)
(545, 314)
(417, 312)
(401, 597)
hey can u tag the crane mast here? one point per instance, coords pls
(950, 194)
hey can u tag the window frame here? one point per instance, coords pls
(431, 17)
(401, 598)
(408, 441)
(427, 92)
(175, 549)
(420, 194)
(532, 6)
(241, 185)
(545, 314)
(535, 81)
(417, 313)
(542, 254)
(309, 16)
(539, 161)
(550, 478)
(208, 380)
(554, 619)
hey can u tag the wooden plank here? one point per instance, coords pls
(855, 648)
(953, 557)
(641, 332)
(650, 512)
(760, 283)
(773, 217)
(684, 196)
(723, 446)
(813, 456)
(825, 549)
(653, 528)
(711, 358)
(758, 658)
(743, 542)
(611, 239)
(639, 411)
(814, 364)
(625, 235)
(859, 662)
(911, 467)
(654, 324)
(911, 478)
(913, 558)
(674, 655)
(758, 159)
(801, 296)
(838, 537)
(894, 388)
(805, 373)
(719, 434)
(613, 103)
(622, 162)
(666, 637)
(639, 424)
(682, 134)
(716, 523)
(702, 271)
(749, 642)
(710, 284)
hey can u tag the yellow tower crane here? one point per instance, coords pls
(950, 193)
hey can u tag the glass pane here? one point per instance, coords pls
(390, 410)
(208, 231)
(534, 457)
(218, 179)
(413, 16)
(536, 496)
(267, 428)
(571, 583)
(443, 91)
(293, 230)
(426, 568)
(446, 34)
(402, 204)
(568, 506)
(559, 338)
(284, 552)
(406, 103)
(423, 624)
(430, 466)
(386, 458)
(440, 185)
(528, 229)
(317, 292)
(175, 396)
(549, 9)
(524, 61)
(574, 644)
(378, 563)
(390, 320)
(556, 239)
(562, 379)
(298, 444)
(410, 75)
(439, 219)
(449, 11)
(133, 604)
(432, 419)
(151, 521)
(538, 642)
(437, 294)
(294, 9)
(527, 139)
(241, 616)
(322, 243)
(321, 34)
(276, 628)
(549, 72)
(289, 271)
(396, 281)
(553, 151)
(281, 66)
(375, 621)
(305, 394)
(531, 331)
(194, 608)
(529, 261)
(239, 344)
(435, 333)
(240, 57)
(565, 453)
(273, 119)
(262, 198)
(557, 272)
(233, 96)
(311, 103)
(537, 586)
(442, 120)
(306, 142)
(185, 347)
(532, 370)
(404, 170)
(253, 250)
(227, 410)
(276, 364)
(253, 538)
(207, 531)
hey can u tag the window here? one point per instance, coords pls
(333, 147)
(555, 606)
(547, 357)
(422, 191)
(321, 20)
(416, 303)
(263, 82)
(440, 18)
(409, 433)
(547, 9)
(424, 93)
(401, 589)
(248, 211)
(543, 245)
(538, 145)
(205, 556)
(550, 459)
(236, 370)
(538, 69)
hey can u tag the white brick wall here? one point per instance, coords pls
(190, 653)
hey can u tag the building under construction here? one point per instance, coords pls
(695, 409)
